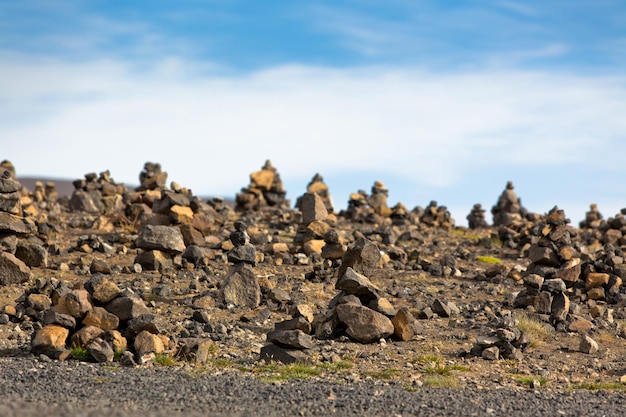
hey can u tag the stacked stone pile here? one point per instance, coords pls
(505, 342)
(14, 228)
(436, 216)
(97, 194)
(508, 209)
(98, 316)
(290, 340)
(563, 274)
(366, 208)
(319, 187)
(361, 310)
(476, 217)
(313, 226)
(265, 190)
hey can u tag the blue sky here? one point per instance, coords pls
(439, 100)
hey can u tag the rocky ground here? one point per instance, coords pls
(118, 287)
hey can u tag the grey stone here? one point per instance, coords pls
(543, 256)
(162, 238)
(274, 353)
(354, 283)
(243, 254)
(88, 202)
(295, 339)
(313, 208)
(10, 223)
(100, 350)
(32, 254)
(240, 287)
(297, 323)
(364, 324)
(153, 260)
(560, 307)
(404, 324)
(588, 345)
(13, 270)
(54, 317)
(127, 308)
(555, 286)
(362, 256)
(491, 353)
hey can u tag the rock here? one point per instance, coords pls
(38, 302)
(116, 340)
(363, 256)
(50, 340)
(383, 306)
(100, 317)
(303, 310)
(579, 324)
(105, 291)
(543, 256)
(491, 353)
(588, 345)
(273, 353)
(13, 270)
(153, 260)
(243, 254)
(32, 254)
(53, 317)
(596, 279)
(100, 350)
(240, 287)
(543, 303)
(533, 281)
(363, 324)
(162, 238)
(146, 342)
(295, 339)
(404, 324)
(85, 335)
(77, 303)
(144, 322)
(354, 283)
(297, 323)
(441, 308)
(313, 208)
(87, 202)
(12, 224)
(560, 307)
(555, 285)
(99, 266)
(127, 308)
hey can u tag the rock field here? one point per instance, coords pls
(155, 277)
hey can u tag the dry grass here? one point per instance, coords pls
(538, 332)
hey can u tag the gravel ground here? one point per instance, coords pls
(32, 388)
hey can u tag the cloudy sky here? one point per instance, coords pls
(439, 100)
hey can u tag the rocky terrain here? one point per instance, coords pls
(156, 281)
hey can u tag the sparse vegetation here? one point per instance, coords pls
(527, 380)
(80, 354)
(488, 260)
(386, 374)
(165, 360)
(440, 382)
(538, 332)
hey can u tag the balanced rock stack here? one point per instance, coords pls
(96, 194)
(265, 190)
(614, 231)
(508, 210)
(360, 310)
(368, 208)
(555, 266)
(505, 342)
(313, 226)
(290, 341)
(240, 287)
(98, 316)
(476, 217)
(437, 216)
(320, 188)
(13, 225)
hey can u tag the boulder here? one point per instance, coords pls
(364, 324)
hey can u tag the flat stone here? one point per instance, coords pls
(273, 353)
(38, 302)
(364, 324)
(354, 283)
(13, 270)
(54, 317)
(153, 260)
(569, 275)
(533, 281)
(294, 339)
(596, 293)
(241, 288)
(181, 214)
(145, 322)
(10, 223)
(296, 323)
(588, 345)
(9, 185)
(162, 238)
(243, 254)
(11, 203)
(105, 291)
(579, 324)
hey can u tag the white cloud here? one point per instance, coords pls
(209, 132)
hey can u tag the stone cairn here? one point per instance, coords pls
(504, 342)
(508, 210)
(360, 310)
(366, 208)
(265, 190)
(96, 194)
(99, 316)
(476, 218)
(319, 187)
(436, 216)
(562, 274)
(15, 251)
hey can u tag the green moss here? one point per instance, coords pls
(488, 260)
(81, 354)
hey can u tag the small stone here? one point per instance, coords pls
(491, 353)
(77, 303)
(543, 256)
(201, 316)
(50, 340)
(596, 279)
(579, 324)
(273, 353)
(38, 302)
(362, 256)
(127, 308)
(404, 324)
(146, 342)
(354, 283)
(560, 307)
(383, 306)
(98, 266)
(100, 317)
(85, 335)
(100, 350)
(588, 345)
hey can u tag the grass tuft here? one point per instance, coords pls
(527, 380)
(488, 260)
(440, 382)
(165, 360)
(537, 331)
(386, 374)
(81, 354)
